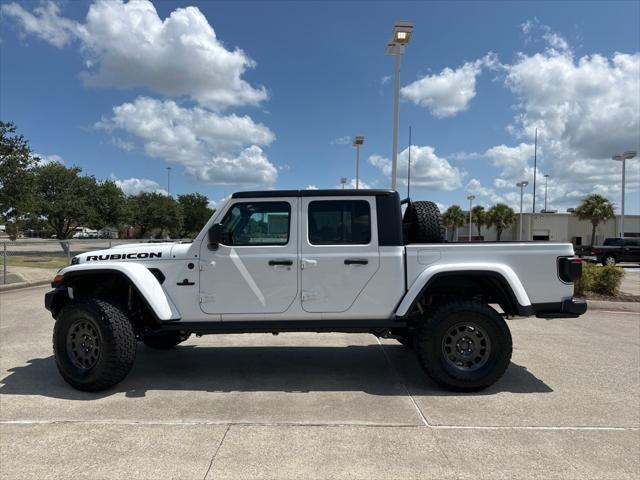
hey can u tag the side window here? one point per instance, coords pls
(257, 223)
(339, 222)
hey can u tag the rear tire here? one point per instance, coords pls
(464, 345)
(422, 223)
(94, 344)
(164, 341)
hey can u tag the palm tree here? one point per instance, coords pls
(453, 217)
(500, 216)
(479, 216)
(596, 209)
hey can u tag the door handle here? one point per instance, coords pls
(355, 261)
(280, 262)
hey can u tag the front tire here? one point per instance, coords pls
(464, 345)
(94, 345)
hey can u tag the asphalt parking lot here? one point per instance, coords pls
(323, 406)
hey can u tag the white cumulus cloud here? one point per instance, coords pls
(134, 186)
(214, 148)
(46, 159)
(449, 92)
(128, 45)
(427, 169)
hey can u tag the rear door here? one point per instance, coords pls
(339, 251)
(255, 268)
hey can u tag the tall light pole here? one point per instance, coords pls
(400, 37)
(628, 155)
(471, 198)
(359, 140)
(168, 181)
(521, 185)
(343, 181)
(546, 186)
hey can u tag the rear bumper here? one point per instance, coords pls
(569, 308)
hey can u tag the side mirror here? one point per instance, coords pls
(215, 235)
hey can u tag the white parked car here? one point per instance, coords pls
(84, 232)
(318, 261)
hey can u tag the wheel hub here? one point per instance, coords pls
(83, 344)
(466, 346)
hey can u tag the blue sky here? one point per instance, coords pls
(114, 95)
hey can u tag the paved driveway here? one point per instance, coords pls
(323, 405)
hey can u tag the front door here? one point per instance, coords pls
(339, 251)
(255, 268)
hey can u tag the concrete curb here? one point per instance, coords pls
(18, 285)
(613, 306)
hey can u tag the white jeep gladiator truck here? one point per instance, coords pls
(314, 261)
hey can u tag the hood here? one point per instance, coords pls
(134, 252)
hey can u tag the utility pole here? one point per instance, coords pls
(471, 198)
(168, 181)
(535, 169)
(521, 185)
(357, 141)
(409, 168)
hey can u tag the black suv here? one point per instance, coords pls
(616, 250)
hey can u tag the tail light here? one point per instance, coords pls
(570, 269)
(594, 251)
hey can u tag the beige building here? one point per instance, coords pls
(558, 227)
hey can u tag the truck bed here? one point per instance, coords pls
(535, 264)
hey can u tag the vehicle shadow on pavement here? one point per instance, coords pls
(262, 368)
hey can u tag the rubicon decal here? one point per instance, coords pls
(124, 256)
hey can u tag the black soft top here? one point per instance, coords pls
(314, 193)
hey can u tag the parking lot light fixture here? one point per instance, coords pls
(400, 37)
(471, 198)
(522, 184)
(343, 181)
(628, 155)
(357, 141)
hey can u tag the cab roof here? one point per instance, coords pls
(314, 193)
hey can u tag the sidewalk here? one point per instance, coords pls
(20, 277)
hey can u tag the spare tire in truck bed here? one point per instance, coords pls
(422, 223)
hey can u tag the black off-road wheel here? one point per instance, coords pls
(164, 341)
(94, 344)
(422, 223)
(464, 345)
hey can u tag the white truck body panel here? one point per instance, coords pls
(237, 283)
(144, 281)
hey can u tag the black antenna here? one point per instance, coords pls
(409, 169)
(535, 169)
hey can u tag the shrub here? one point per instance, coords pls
(603, 280)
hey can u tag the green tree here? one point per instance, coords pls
(195, 213)
(16, 172)
(109, 206)
(65, 198)
(500, 216)
(152, 213)
(453, 217)
(479, 217)
(596, 209)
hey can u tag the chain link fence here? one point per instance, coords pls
(34, 260)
